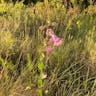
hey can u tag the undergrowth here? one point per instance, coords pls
(70, 70)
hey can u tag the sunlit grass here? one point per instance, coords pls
(70, 68)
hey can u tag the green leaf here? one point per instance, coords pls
(40, 66)
(40, 92)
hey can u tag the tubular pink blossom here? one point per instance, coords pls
(48, 50)
(50, 42)
(49, 32)
(53, 40)
(57, 41)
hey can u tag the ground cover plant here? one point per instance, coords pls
(46, 50)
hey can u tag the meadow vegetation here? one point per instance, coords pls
(27, 70)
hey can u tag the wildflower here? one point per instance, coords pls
(52, 41)
(48, 50)
(57, 41)
(49, 32)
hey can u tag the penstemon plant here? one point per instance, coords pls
(40, 69)
(51, 41)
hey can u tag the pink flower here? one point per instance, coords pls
(49, 32)
(57, 41)
(48, 50)
(50, 42)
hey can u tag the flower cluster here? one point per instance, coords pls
(52, 40)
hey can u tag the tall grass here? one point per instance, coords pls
(70, 68)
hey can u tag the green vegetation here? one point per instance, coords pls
(26, 70)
